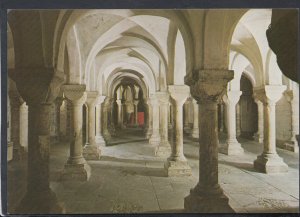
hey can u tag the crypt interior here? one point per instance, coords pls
(152, 111)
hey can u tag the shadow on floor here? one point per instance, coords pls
(128, 169)
(112, 143)
(189, 156)
(122, 160)
(243, 166)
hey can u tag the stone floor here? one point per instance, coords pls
(127, 179)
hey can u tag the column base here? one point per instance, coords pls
(76, 172)
(195, 203)
(44, 202)
(177, 168)
(270, 163)
(163, 151)
(232, 148)
(148, 133)
(106, 136)
(289, 145)
(154, 140)
(91, 152)
(258, 138)
(187, 130)
(100, 140)
(195, 134)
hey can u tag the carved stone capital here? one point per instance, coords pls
(106, 102)
(39, 84)
(100, 99)
(269, 94)
(91, 98)
(75, 92)
(209, 84)
(179, 93)
(232, 97)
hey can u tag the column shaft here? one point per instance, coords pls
(155, 137)
(259, 135)
(269, 161)
(195, 132)
(38, 182)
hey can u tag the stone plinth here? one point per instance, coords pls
(197, 203)
(44, 202)
(91, 152)
(270, 163)
(76, 172)
(177, 168)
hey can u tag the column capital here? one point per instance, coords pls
(38, 85)
(194, 101)
(153, 99)
(136, 89)
(15, 99)
(106, 101)
(269, 93)
(100, 99)
(232, 97)
(179, 93)
(91, 98)
(75, 92)
(208, 84)
(136, 101)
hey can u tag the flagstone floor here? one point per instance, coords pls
(128, 179)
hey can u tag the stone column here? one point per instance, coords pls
(233, 147)
(76, 167)
(91, 150)
(269, 161)
(164, 147)
(259, 135)
(106, 133)
(9, 142)
(15, 103)
(120, 119)
(55, 127)
(170, 124)
(195, 132)
(136, 102)
(24, 126)
(155, 137)
(99, 138)
(293, 97)
(207, 87)
(186, 127)
(149, 125)
(221, 117)
(177, 164)
(112, 128)
(238, 120)
(38, 87)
